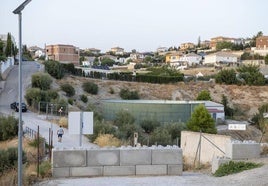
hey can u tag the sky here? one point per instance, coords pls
(143, 25)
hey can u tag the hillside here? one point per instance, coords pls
(245, 99)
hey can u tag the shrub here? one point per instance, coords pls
(226, 76)
(45, 169)
(160, 136)
(90, 87)
(111, 90)
(149, 125)
(54, 68)
(204, 95)
(83, 98)
(63, 122)
(70, 101)
(101, 128)
(234, 167)
(34, 142)
(107, 140)
(41, 80)
(8, 127)
(123, 118)
(9, 158)
(68, 89)
(129, 95)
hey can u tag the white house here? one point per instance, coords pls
(191, 58)
(220, 57)
(39, 53)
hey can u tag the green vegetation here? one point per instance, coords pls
(41, 80)
(259, 120)
(202, 121)
(150, 132)
(247, 74)
(226, 76)
(68, 89)
(251, 75)
(107, 62)
(84, 98)
(90, 87)
(8, 127)
(204, 95)
(129, 95)
(229, 112)
(149, 125)
(235, 167)
(45, 169)
(9, 159)
(54, 68)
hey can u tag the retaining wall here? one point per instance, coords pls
(124, 161)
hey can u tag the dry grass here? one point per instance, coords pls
(30, 173)
(107, 140)
(63, 121)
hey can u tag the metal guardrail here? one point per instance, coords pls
(30, 132)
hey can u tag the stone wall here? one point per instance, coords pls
(124, 161)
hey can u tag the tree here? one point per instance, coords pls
(251, 75)
(227, 76)
(41, 80)
(204, 95)
(260, 120)
(199, 42)
(201, 120)
(54, 68)
(149, 125)
(8, 50)
(224, 45)
(253, 41)
(227, 110)
(107, 61)
(266, 59)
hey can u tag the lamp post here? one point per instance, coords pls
(18, 11)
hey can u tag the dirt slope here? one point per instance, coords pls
(246, 99)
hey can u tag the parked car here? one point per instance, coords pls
(15, 106)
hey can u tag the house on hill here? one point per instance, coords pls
(220, 58)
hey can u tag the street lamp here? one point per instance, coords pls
(18, 11)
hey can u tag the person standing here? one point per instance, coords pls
(60, 132)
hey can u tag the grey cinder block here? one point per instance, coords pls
(135, 157)
(151, 169)
(103, 157)
(86, 171)
(119, 170)
(60, 172)
(175, 169)
(239, 151)
(69, 158)
(166, 156)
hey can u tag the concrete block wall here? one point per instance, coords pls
(237, 150)
(123, 161)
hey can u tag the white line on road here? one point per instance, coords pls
(10, 91)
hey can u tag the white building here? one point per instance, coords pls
(191, 58)
(220, 57)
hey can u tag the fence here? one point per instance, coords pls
(51, 109)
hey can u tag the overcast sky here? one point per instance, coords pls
(143, 25)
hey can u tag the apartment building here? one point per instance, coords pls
(262, 42)
(261, 46)
(117, 50)
(185, 46)
(63, 53)
(215, 40)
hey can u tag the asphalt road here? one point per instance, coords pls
(30, 119)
